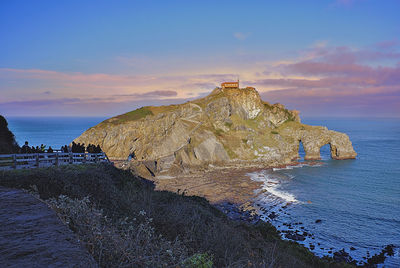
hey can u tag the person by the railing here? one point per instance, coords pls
(25, 149)
(50, 150)
(78, 148)
(42, 148)
(73, 147)
(93, 149)
(65, 149)
(98, 149)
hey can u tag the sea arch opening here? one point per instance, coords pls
(301, 151)
(312, 151)
(325, 151)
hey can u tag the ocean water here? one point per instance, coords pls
(51, 131)
(357, 201)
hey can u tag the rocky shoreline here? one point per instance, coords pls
(232, 191)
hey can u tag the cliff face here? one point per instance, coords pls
(227, 126)
(8, 145)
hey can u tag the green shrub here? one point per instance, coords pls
(219, 132)
(199, 261)
(274, 132)
(228, 124)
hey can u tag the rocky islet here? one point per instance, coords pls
(229, 127)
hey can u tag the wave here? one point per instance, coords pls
(277, 169)
(271, 185)
(288, 197)
(299, 166)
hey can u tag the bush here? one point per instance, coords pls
(219, 132)
(125, 242)
(228, 124)
(199, 261)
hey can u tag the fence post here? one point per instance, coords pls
(56, 159)
(37, 160)
(96, 160)
(14, 161)
(71, 158)
(84, 158)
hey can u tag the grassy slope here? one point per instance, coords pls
(198, 226)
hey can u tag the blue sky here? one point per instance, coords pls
(108, 57)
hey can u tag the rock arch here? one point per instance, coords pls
(340, 144)
(314, 152)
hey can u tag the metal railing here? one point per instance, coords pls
(37, 160)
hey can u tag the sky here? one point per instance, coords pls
(336, 58)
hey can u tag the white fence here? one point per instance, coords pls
(37, 160)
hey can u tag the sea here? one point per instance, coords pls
(50, 131)
(348, 204)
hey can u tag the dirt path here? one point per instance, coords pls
(31, 235)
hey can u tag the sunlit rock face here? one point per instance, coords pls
(231, 125)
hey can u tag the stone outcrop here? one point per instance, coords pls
(226, 127)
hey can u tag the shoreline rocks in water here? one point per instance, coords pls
(235, 193)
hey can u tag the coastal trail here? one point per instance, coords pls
(31, 235)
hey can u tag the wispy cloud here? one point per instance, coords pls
(152, 94)
(240, 36)
(350, 80)
(344, 77)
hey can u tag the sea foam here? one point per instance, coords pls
(271, 185)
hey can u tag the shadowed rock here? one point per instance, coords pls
(8, 145)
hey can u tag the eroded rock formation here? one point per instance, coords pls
(228, 126)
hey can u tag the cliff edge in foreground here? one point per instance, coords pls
(229, 126)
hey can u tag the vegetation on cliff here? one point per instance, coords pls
(124, 222)
(8, 144)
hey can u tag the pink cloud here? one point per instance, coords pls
(388, 44)
(153, 94)
(339, 77)
(318, 68)
(324, 77)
